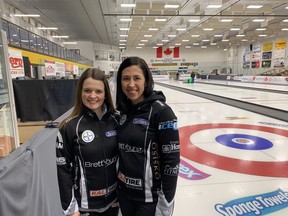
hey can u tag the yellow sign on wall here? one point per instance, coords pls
(280, 44)
(267, 46)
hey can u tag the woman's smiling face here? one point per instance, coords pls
(133, 83)
(93, 94)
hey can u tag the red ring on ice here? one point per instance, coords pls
(259, 168)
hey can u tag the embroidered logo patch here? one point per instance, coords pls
(88, 136)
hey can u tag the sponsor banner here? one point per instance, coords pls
(184, 77)
(261, 204)
(189, 172)
(255, 64)
(168, 53)
(266, 55)
(75, 70)
(280, 44)
(279, 53)
(160, 77)
(267, 46)
(265, 79)
(279, 63)
(234, 77)
(16, 63)
(69, 68)
(266, 64)
(255, 56)
(60, 69)
(50, 68)
(256, 48)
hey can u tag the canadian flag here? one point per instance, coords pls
(168, 53)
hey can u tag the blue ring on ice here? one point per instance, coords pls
(244, 141)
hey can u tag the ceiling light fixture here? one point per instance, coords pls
(60, 36)
(171, 6)
(26, 15)
(124, 29)
(48, 28)
(71, 42)
(254, 6)
(208, 29)
(181, 29)
(194, 20)
(260, 29)
(160, 20)
(126, 19)
(258, 20)
(214, 6)
(128, 5)
(235, 29)
(226, 20)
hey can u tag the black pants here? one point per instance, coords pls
(112, 211)
(132, 208)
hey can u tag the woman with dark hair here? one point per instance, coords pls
(148, 141)
(87, 150)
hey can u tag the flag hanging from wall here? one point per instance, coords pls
(168, 52)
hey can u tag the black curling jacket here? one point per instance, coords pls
(148, 142)
(87, 155)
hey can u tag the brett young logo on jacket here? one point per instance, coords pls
(168, 125)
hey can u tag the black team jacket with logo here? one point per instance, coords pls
(87, 155)
(148, 141)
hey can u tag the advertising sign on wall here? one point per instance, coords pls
(16, 63)
(75, 70)
(50, 68)
(267, 46)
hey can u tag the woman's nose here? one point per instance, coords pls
(131, 83)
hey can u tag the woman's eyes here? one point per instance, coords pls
(128, 78)
(90, 91)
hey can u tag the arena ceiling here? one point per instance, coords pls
(100, 21)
